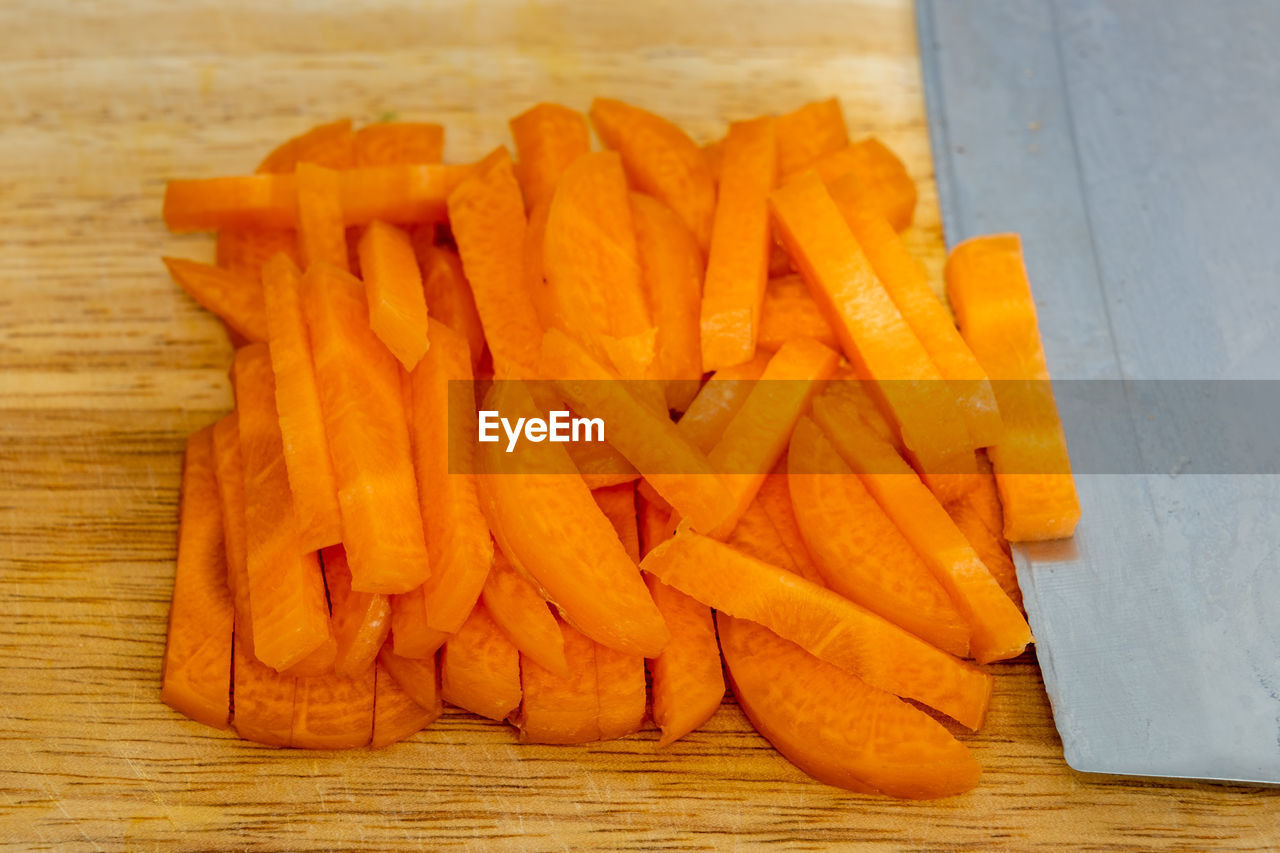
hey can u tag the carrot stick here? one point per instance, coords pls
(328, 145)
(618, 503)
(621, 693)
(660, 160)
(548, 138)
(443, 427)
(990, 547)
(333, 711)
(306, 447)
(868, 175)
(229, 467)
(364, 417)
(721, 397)
(396, 714)
(870, 328)
(714, 154)
(487, 216)
(398, 143)
(286, 588)
(535, 241)
(789, 311)
(835, 726)
(237, 300)
(263, 699)
(756, 536)
(480, 668)
(448, 295)
(196, 672)
(823, 623)
(361, 620)
(393, 286)
(411, 636)
(688, 683)
(549, 526)
(738, 260)
(756, 438)
(988, 287)
(774, 498)
(321, 237)
(998, 630)
(859, 549)
(417, 677)
(561, 709)
(514, 602)
(671, 264)
(244, 251)
(806, 134)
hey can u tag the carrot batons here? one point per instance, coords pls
(245, 251)
(823, 623)
(333, 711)
(789, 311)
(418, 677)
(836, 727)
(522, 613)
(229, 466)
(263, 700)
(286, 588)
(448, 295)
(411, 636)
(738, 260)
(363, 408)
(806, 134)
(396, 713)
(480, 668)
(988, 288)
(398, 143)
(328, 145)
(235, 299)
(660, 160)
(688, 681)
(868, 175)
(621, 693)
(196, 672)
(361, 620)
(393, 287)
(719, 400)
(774, 498)
(321, 234)
(548, 138)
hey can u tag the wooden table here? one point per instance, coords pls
(105, 366)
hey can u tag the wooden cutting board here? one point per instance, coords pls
(105, 367)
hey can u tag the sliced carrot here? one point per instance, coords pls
(990, 547)
(677, 470)
(869, 175)
(418, 677)
(306, 447)
(196, 672)
(361, 620)
(328, 145)
(561, 708)
(714, 153)
(757, 536)
(364, 416)
(823, 623)
(514, 602)
(671, 264)
(807, 134)
(774, 498)
(789, 311)
(321, 235)
(398, 194)
(244, 251)
(548, 138)
(411, 636)
(448, 295)
(997, 630)
(719, 400)
(835, 726)
(660, 160)
(393, 284)
(548, 525)
(263, 700)
(319, 662)
(396, 713)
(286, 588)
(618, 503)
(621, 693)
(859, 549)
(235, 299)
(856, 394)
(480, 668)
(333, 711)
(988, 288)
(870, 328)
(738, 260)
(756, 438)
(688, 683)
(443, 424)
(535, 241)
(230, 475)
(486, 213)
(398, 143)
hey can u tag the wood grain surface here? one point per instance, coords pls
(105, 366)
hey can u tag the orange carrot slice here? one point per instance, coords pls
(789, 311)
(333, 711)
(561, 708)
(774, 498)
(286, 588)
(868, 175)
(418, 677)
(738, 260)
(411, 636)
(688, 683)
(858, 548)
(672, 274)
(364, 417)
(321, 237)
(806, 134)
(549, 526)
(535, 241)
(230, 475)
(237, 300)
(823, 623)
(398, 143)
(263, 700)
(443, 424)
(677, 470)
(756, 438)
(548, 138)
(871, 330)
(721, 397)
(755, 536)
(514, 602)
(328, 145)
(306, 448)
(621, 693)
(244, 251)
(361, 620)
(480, 668)
(196, 672)
(990, 547)
(448, 295)
(988, 287)
(486, 212)
(396, 713)
(998, 630)
(660, 160)
(618, 503)
(393, 282)
(714, 154)
(835, 726)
